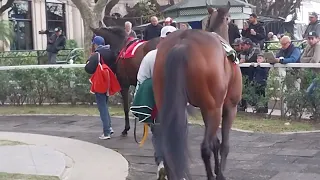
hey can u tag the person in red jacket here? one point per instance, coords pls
(103, 54)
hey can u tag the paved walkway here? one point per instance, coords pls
(66, 158)
(31, 159)
(252, 156)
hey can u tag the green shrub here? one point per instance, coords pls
(52, 85)
(16, 58)
(71, 85)
(290, 90)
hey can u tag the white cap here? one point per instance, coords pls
(167, 29)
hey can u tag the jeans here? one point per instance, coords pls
(312, 87)
(102, 103)
(156, 142)
(52, 58)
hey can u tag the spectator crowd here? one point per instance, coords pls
(250, 49)
(250, 43)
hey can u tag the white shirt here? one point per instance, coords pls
(146, 66)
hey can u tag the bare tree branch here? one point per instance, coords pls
(109, 7)
(6, 6)
(278, 8)
(99, 6)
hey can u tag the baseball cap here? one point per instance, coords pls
(313, 34)
(98, 40)
(57, 29)
(237, 41)
(254, 15)
(247, 41)
(166, 30)
(313, 14)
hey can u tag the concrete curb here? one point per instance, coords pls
(84, 160)
(132, 118)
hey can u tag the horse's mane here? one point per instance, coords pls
(115, 30)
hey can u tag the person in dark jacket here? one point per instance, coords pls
(260, 76)
(249, 54)
(233, 31)
(254, 31)
(314, 25)
(109, 59)
(288, 52)
(153, 30)
(56, 43)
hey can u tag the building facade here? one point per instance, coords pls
(31, 16)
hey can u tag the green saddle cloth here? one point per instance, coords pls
(144, 102)
(231, 53)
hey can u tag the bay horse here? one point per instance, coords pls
(126, 67)
(192, 66)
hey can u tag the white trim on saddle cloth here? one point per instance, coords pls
(136, 47)
(146, 115)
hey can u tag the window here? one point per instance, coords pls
(55, 16)
(20, 15)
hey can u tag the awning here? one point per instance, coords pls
(239, 16)
(182, 19)
(234, 16)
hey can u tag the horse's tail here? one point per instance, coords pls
(173, 115)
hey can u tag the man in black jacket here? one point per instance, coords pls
(56, 43)
(153, 30)
(254, 31)
(249, 55)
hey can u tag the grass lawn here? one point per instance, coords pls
(9, 176)
(245, 121)
(10, 143)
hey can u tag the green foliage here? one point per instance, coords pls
(71, 44)
(6, 32)
(15, 58)
(145, 9)
(290, 90)
(53, 86)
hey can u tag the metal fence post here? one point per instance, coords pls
(38, 57)
(282, 74)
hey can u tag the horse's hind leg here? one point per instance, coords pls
(125, 98)
(212, 120)
(229, 114)
(215, 150)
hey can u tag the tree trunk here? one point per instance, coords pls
(88, 35)
(91, 12)
(5, 6)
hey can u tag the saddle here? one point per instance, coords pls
(129, 50)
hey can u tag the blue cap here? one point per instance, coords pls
(98, 40)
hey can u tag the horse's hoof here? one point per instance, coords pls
(124, 134)
(221, 177)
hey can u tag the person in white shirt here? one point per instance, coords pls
(145, 72)
(147, 63)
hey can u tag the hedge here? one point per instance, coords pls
(52, 85)
(16, 58)
(58, 85)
